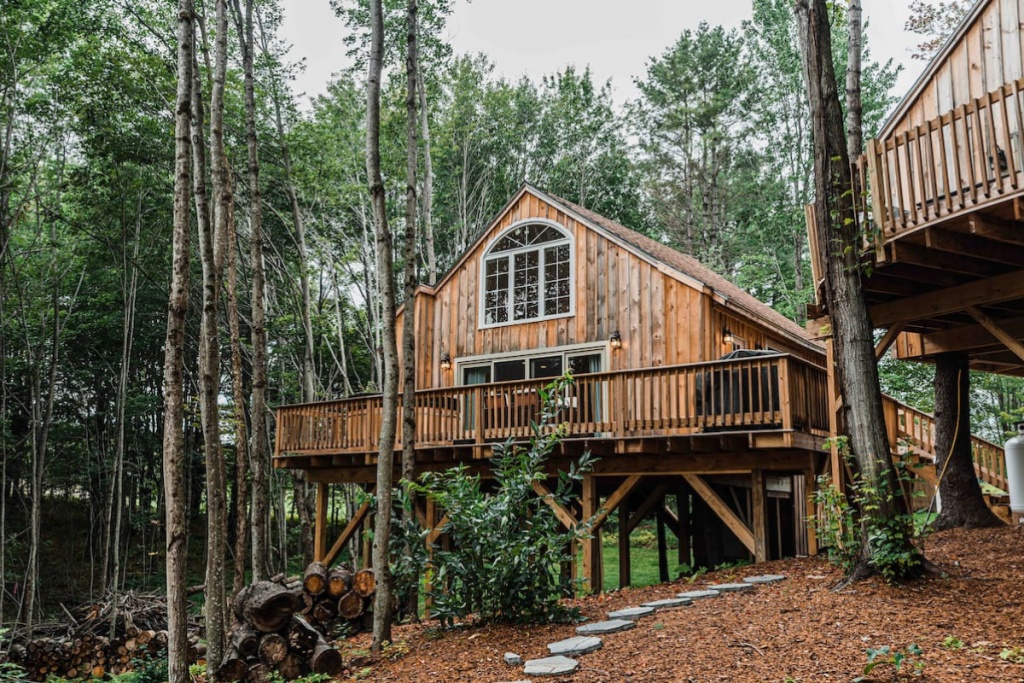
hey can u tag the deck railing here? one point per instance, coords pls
(913, 429)
(965, 158)
(772, 392)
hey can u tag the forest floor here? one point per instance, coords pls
(796, 630)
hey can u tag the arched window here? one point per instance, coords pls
(527, 274)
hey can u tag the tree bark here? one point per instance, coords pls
(173, 439)
(962, 502)
(260, 456)
(839, 242)
(426, 224)
(854, 104)
(386, 448)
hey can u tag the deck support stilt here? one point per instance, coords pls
(683, 512)
(810, 508)
(759, 516)
(625, 571)
(592, 578)
(320, 523)
(662, 548)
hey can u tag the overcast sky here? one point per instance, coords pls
(537, 37)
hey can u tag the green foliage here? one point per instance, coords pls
(507, 545)
(897, 659)
(143, 671)
(9, 671)
(952, 643)
(844, 527)
(275, 677)
(1014, 655)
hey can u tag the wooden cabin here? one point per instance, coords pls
(647, 332)
(945, 186)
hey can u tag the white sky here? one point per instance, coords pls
(537, 37)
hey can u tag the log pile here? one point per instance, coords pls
(275, 631)
(82, 647)
(334, 601)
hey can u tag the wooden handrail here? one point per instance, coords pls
(768, 392)
(956, 162)
(916, 430)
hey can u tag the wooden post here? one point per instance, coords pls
(428, 584)
(683, 510)
(834, 407)
(759, 517)
(592, 579)
(662, 548)
(699, 526)
(810, 484)
(625, 573)
(367, 550)
(320, 525)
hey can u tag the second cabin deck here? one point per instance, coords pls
(778, 401)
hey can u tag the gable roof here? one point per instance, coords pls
(934, 64)
(653, 251)
(684, 268)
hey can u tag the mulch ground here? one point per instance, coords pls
(799, 630)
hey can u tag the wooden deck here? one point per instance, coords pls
(771, 395)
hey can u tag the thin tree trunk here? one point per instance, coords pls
(410, 281)
(962, 502)
(260, 456)
(839, 240)
(854, 105)
(386, 448)
(211, 253)
(241, 501)
(426, 224)
(175, 493)
(128, 336)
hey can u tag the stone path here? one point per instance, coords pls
(560, 662)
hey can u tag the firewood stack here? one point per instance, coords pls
(82, 648)
(274, 632)
(337, 601)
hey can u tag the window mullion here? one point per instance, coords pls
(541, 312)
(511, 288)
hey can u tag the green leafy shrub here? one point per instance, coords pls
(902, 661)
(843, 527)
(507, 545)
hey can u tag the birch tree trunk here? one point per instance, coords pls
(386, 448)
(211, 252)
(173, 438)
(427, 207)
(260, 456)
(839, 242)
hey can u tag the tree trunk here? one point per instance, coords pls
(173, 439)
(426, 224)
(839, 242)
(386, 448)
(962, 501)
(260, 456)
(410, 281)
(854, 104)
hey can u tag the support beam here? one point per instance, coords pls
(625, 567)
(683, 507)
(943, 263)
(950, 300)
(759, 515)
(997, 229)
(997, 331)
(977, 247)
(567, 519)
(887, 339)
(592, 579)
(649, 503)
(353, 525)
(437, 530)
(662, 551)
(723, 511)
(320, 523)
(968, 337)
(598, 520)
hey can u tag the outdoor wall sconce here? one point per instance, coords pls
(615, 341)
(727, 336)
(446, 362)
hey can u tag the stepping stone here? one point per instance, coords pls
(698, 595)
(512, 659)
(551, 666)
(603, 627)
(669, 603)
(731, 587)
(580, 645)
(767, 578)
(631, 613)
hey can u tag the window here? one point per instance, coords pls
(582, 359)
(527, 275)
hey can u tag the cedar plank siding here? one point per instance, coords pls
(663, 319)
(983, 55)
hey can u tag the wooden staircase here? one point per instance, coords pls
(912, 438)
